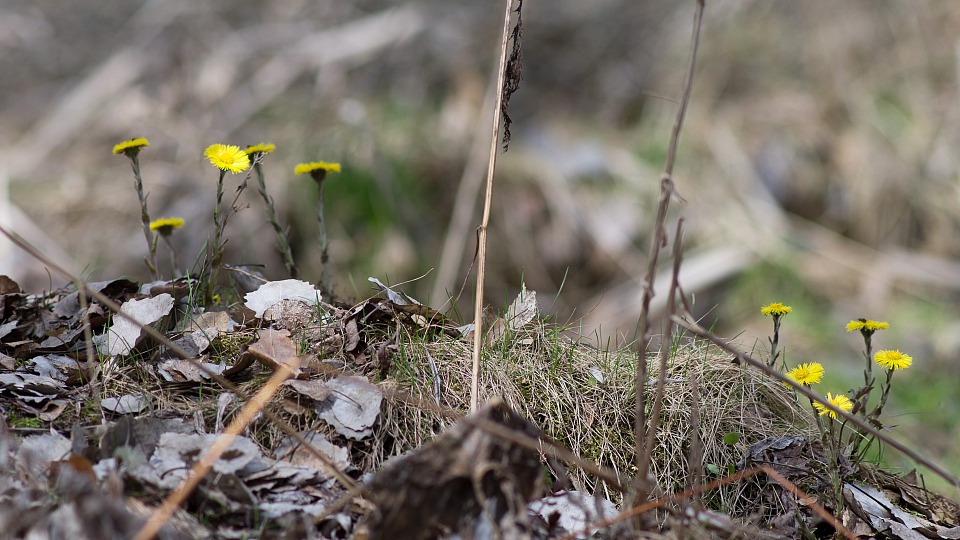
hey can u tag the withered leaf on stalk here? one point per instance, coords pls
(521, 312)
(353, 406)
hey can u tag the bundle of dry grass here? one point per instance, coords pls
(583, 397)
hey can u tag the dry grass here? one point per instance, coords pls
(552, 380)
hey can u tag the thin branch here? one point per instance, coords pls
(665, 347)
(658, 239)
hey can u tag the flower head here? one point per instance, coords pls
(839, 401)
(776, 309)
(893, 360)
(807, 374)
(131, 147)
(317, 169)
(165, 226)
(262, 148)
(867, 326)
(228, 158)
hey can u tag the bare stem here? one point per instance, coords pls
(144, 216)
(482, 231)
(283, 245)
(658, 239)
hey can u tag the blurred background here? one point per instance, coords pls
(818, 162)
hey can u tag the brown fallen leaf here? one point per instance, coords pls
(274, 348)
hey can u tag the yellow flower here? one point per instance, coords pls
(165, 226)
(893, 360)
(228, 158)
(806, 373)
(131, 146)
(316, 166)
(263, 148)
(840, 401)
(867, 325)
(776, 309)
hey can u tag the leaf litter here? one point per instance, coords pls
(377, 398)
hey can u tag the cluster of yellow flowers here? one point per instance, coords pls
(227, 158)
(812, 372)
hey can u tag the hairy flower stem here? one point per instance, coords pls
(151, 262)
(325, 287)
(875, 413)
(216, 249)
(173, 256)
(774, 341)
(868, 372)
(283, 245)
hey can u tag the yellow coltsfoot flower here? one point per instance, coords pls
(132, 146)
(840, 401)
(806, 374)
(227, 157)
(776, 309)
(166, 226)
(261, 148)
(867, 325)
(893, 360)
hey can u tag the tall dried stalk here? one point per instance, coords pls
(658, 240)
(482, 231)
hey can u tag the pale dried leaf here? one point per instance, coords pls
(37, 452)
(178, 370)
(180, 450)
(314, 389)
(271, 293)
(125, 404)
(353, 407)
(124, 334)
(291, 450)
(274, 348)
(523, 310)
(398, 298)
(572, 510)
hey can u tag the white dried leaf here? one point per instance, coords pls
(179, 450)
(125, 404)
(269, 294)
(574, 510)
(523, 310)
(353, 406)
(124, 334)
(37, 452)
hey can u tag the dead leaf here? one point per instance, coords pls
(274, 348)
(8, 286)
(521, 312)
(124, 335)
(291, 450)
(271, 293)
(125, 404)
(314, 389)
(353, 406)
